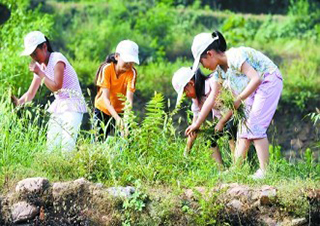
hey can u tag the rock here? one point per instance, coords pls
(239, 190)
(298, 221)
(188, 193)
(227, 186)
(81, 181)
(58, 187)
(269, 221)
(32, 185)
(99, 185)
(22, 211)
(267, 195)
(235, 204)
(296, 144)
(121, 191)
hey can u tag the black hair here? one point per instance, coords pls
(219, 45)
(48, 45)
(109, 59)
(199, 84)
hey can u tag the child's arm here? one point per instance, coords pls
(206, 108)
(254, 83)
(30, 94)
(58, 75)
(222, 121)
(106, 99)
(130, 97)
(191, 138)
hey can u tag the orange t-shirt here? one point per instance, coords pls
(108, 79)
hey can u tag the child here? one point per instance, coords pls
(261, 93)
(59, 77)
(115, 76)
(202, 90)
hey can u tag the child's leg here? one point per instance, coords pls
(70, 130)
(242, 148)
(190, 141)
(231, 129)
(54, 132)
(216, 155)
(232, 146)
(262, 148)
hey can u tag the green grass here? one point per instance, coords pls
(153, 154)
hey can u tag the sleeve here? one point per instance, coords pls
(212, 80)
(237, 57)
(195, 107)
(104, 77)
(58, 57)
(132, 81)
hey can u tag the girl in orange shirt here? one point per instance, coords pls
(114, 78)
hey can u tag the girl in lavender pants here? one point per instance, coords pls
(260, 90)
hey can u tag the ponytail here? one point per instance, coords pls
(219, 45)
(109, 59)
(199, 86)
(49, 45)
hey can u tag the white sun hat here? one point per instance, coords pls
(180, 79)
(31, 41)
(128, 51)
(200, 43)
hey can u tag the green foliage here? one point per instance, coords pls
(205, 213)
(153, 152)
(226, 99)
(23, 135)
(315, 116)
(14, 69)
(135, 203)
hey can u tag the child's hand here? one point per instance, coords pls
(191, 138)
(237, 103)
(219, 126)
(14, 100)
(120, 124)
(192, 128)
(34, 67)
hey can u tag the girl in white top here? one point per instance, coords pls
(261, 92)
(59, 77)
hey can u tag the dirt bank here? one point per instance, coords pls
(36, 201)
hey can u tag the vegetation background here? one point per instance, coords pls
(288, 31)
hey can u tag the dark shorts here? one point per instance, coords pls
(230, 129)
(104, 125)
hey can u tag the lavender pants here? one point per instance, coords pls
(261, 106)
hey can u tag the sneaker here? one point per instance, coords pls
(260, 174)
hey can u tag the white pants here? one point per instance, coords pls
(63, 129)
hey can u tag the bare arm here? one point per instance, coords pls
(206, 108)
(106, 99)
(30, 94)
(191, 138)
(254, 83)
(130, 97)
(56, 84)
